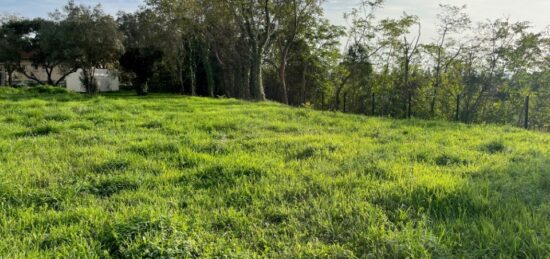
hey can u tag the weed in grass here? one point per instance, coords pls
(152, 125)
(152, 148)
(111, 166)
(113, 185)
(42, 130)
(60, 117)
(222, 176)
(449, 160)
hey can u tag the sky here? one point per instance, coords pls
(535, 11)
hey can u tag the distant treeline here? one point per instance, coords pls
(496, 71)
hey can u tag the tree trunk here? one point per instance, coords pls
(458, 107)
(409, 106)
(243, 83)
(192, 79)
(88, 80)
(282, 78)
(144, 88)
(432, 104)
(10, 78)
(345, 95)
(180, 78)
(256, 83)
(373, 104)
(437, 84)
(209, 72)
(2, 76)
(526, 122)
(93, 85)
(226, 83)
(30, 76)
(407, 87)
(49, 75)
(337, 100)
(141, 86)
(237, 81)
(323, 100)
(65, 76)
(192, 66)
(304, 85)
(49, 72)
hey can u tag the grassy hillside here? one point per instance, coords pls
(123, 176)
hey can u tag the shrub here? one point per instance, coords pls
(493, 147)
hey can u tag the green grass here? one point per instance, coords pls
(172, 176)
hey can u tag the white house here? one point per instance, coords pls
(107, 81)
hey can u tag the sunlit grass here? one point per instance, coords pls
(163, 175)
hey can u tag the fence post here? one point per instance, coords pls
(526, 122)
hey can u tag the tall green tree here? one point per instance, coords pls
(184, 41)
(95, 39)
(314, 59)
(11, 48)
(140, 30)
(295, 16)
(259, 20)
(52, 51)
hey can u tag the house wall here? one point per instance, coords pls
(39, 73)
